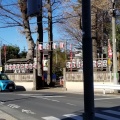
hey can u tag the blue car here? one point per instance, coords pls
(6, 83)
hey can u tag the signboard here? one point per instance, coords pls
(96, 64)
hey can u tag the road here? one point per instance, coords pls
(56, 106)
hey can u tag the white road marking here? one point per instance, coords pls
(41, 95)
(55, 101)
(52, 96)
(28, 111)
(105, 117)
(28, 94)
(46, 98)
(112, 112)
(73, 116)
(71, 104)
(111, 98)
(1, 103)
(50, 118)
(13, 106)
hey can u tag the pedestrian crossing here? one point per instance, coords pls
(102, 115)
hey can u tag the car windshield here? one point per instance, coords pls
(3, 77)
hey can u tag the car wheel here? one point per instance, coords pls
(11, 90)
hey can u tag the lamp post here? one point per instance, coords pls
(114, 43)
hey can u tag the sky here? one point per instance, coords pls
(11, 36)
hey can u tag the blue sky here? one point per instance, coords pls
(11, 36)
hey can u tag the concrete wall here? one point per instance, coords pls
(79, 86)
(98, 76)
(73, 81)
(21, 77)
(23, 81)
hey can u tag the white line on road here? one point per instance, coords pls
(112, 98)
(28, 94)
(73, 116)
(55, 101)
(13, 106)
(1, 103)
(46, 98)
(52, 96)
(50, 118)
(71, 104)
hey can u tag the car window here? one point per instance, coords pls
(3, 77)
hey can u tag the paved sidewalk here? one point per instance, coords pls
(5, 116)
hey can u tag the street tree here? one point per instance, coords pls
(27, 30)
(10, 16)
(59, 61)
(9, 52)
(70, 26)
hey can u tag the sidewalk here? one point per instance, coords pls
(5, 116)
(63, 90)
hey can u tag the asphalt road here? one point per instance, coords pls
(56, 106)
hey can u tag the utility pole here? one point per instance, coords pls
(87, 61)
(114, 43)
(0, 57)
(34, 8)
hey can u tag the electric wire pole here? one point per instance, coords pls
(0, 56)
(87, 61)
(114, 43)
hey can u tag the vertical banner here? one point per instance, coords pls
(40, 47)
(109, 49)
(54, 45)
(61, 45)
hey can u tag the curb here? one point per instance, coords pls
(5, 116)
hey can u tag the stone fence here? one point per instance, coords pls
(21, 77)
(98, 76)
(68, 77)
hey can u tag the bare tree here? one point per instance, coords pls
(26, 26)
(10, 16)
(70, 25)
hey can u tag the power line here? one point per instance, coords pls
(5, 40)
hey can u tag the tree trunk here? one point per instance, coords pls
(26, 26)
(39, 53)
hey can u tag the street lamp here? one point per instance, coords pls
(113, 12)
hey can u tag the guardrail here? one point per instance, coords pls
(106, 87)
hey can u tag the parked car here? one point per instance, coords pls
(6, 83)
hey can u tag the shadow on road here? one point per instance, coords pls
(20, 88)
(100, 113)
